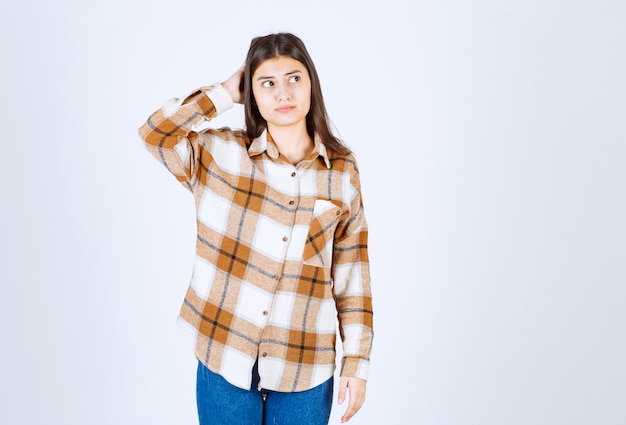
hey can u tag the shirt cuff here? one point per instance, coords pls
(355, 367)
(220, 98)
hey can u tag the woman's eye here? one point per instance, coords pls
(294, 79)
(267, 84)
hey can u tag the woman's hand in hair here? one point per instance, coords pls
(356, 394)
(233, 85)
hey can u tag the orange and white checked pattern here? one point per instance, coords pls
(281, 250)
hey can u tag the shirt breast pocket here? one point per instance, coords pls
(318, 247)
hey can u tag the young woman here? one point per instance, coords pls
(281, 249)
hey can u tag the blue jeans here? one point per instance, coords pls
(221, 403)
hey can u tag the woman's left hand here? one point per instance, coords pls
(356, 389)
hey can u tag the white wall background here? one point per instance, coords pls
(491, 137)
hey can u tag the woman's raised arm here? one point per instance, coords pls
(171, 132)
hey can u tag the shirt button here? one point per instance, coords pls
(284, 238)
(264, 354)
(265, 313)
(293, 174)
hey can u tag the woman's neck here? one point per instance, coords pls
(293, 141)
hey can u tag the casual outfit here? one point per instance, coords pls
(281, 251)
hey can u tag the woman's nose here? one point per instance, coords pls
(283, 92)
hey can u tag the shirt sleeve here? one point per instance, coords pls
(171, 132)
(352, 287)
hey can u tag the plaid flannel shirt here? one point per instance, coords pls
(281, 250)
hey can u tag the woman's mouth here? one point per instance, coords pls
(285, 108)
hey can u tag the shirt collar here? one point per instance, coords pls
(263, 143)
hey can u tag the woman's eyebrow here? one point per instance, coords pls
(266, 77)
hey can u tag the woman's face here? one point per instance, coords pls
(282, 90)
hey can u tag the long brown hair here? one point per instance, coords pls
(286, 44)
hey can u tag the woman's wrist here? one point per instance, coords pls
(232, 91)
